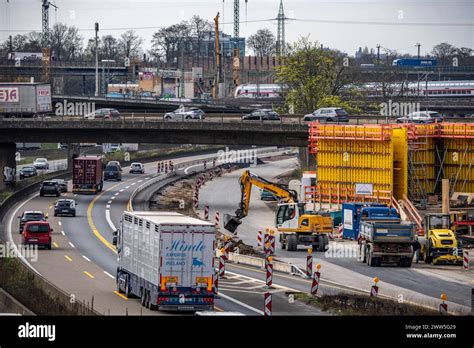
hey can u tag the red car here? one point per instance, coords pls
(37, 233)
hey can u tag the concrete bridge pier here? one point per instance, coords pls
(7, 165)
(73, 151)
(307, 160)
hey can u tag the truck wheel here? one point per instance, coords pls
(408, 262)
(426, 254)
(326, 242)
(283, 245)
(292, 242)
(362, 257)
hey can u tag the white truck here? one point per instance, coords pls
(21, 99)
(166, 260)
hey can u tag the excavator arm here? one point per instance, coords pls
(247, 180)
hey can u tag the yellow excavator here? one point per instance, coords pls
(440, 245)
(295, 226)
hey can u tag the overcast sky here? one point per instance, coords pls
(341, 24)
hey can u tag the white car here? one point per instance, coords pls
(185, 114)
(328, 115)
(137, 168)
(421, 117)
(41, 163)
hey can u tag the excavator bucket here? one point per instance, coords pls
(231, 223)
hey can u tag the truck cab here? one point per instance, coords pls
(440, 245)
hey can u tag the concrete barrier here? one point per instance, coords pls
(9, 304)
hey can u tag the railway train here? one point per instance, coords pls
(252, 91)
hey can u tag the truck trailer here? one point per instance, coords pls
(386, 242)
(167, 260)
(354, 213)
(21, 99)
(87, 175)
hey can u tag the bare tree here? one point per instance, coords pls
(167, 42)
(200, 29)
(130, 44)
(444, 52)
(262, 43)
(65, 42)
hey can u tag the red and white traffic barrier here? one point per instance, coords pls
(309, 264)
(271, 240)
(374, 290)
(217, 218)
(226, 250)
(269, 271)
(315, 285)
(443, 307)
(267, 304)
(221, 267)
(205, 165)
(259, 239)
(216, 283)
(214, 162)
(340, 231)
(465, 260)
(206, 212)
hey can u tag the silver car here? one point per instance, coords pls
(185, 114)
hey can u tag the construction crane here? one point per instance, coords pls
(217, 79)
(295, 226)
(236, 52)
(46, 50)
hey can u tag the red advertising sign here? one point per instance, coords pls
(9, 95)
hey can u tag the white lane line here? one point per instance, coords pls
(126, 188)
(240, 303)
(62, 232)
(113, 197)
(117, 194)
(133, 183)
(10, 237)
(121, 190)
(107, 206)
(147, 178)
(75, 195)
(109, 275)
(109, 202)
(86, 258)
(72, 245)
(59, 223)
(139, 181)
(109, 220)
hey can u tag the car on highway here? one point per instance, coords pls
(41, 163)
(262, 115)
(112, 172)
(50, 187)
(30, 215)
(37, 233)
(27, 172)
(114, 163)
(185, 114)
(115, 95)
(62, 184)
(107, 114)
(137, 168)
(65, 207)
(421, 117)
(328, 115)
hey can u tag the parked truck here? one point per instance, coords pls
(87, 175)
(386, 242)
(19, 99)
(166, 260)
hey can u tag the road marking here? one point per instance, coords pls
(218, 309)
(62, 232)
(117, 194)
(55, 245)
(72, 245)
(120, 295)
(132, 184)
(86, 258)
(108, 274)
(139, 181)
(240, 303)
(126, 188)
(107, 206)
(89, 275)
(113, 197)
(109, 220)
(68, 258)
(147, 178)
(109, 202)
(50, 207)
(59, 223)
(75, 195)
(121, 190)
(10, 236)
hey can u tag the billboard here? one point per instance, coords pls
(9, 95)
(25, 55)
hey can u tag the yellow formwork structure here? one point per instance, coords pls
(459, 164)
(347, 155)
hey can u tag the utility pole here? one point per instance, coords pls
(96, 27)
(378, 54)
(217, 81)
(419, 46)
(281, 30)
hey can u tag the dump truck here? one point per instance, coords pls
(87, 175)
(296, 227)
(386, 242)
(19, 99)
(166, 260)
(440, 244)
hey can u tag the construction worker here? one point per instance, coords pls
(416, 249)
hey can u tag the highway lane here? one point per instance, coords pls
(420, 283)
(88, 265)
